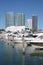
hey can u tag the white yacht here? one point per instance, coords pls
(17, 37)
(23, 37)
(37, 42)
(28, 37)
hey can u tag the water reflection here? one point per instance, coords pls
(9, 54)
(23, 59)
(14, 56)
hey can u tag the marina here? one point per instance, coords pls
(21, 32)
(21, 48)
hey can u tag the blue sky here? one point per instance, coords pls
(28, 7)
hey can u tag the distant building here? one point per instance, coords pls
(9, 19)
(34, 22)
(29, 23)
(20, 19)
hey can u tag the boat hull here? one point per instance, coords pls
(37, 43)
(36, 47)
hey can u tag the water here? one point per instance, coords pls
(10, 55)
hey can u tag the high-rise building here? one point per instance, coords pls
(34, 22)
(29, 23)
(9, 19)
(20, 19)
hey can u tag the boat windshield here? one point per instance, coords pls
(40, 37)
(15, 33)
(28, 36)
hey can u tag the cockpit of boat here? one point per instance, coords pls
(31, 35)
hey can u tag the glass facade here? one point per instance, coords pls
(9, 19)
(20, 19)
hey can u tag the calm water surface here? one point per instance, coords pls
(14, 56)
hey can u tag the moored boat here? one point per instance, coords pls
(37, 42)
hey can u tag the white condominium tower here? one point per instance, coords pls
(20, 19)
(29, 23)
